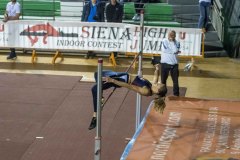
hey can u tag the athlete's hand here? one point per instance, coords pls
(156, 66)
(108, 79)
(104, 79)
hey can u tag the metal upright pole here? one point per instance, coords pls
(139, 97)
(54, 8)
(97, 151)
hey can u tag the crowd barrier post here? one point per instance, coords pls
(57, 55)
(112, 59)
(34, 56)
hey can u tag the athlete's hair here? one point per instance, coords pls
(159, 104)
(159, 101)
(162, 91)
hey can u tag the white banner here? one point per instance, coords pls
(95, 37)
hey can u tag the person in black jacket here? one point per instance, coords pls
(93, 11)
(114, 13)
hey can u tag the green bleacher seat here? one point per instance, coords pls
(3, 4)
(158, 12)
(40, 8)
(37, 8)
(128, 10)
(153, 11)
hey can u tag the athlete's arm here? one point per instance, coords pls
(141, 90)
(156, 74)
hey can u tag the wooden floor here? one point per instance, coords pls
(211, 78)
(45, 117)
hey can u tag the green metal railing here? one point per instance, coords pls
(227, 23)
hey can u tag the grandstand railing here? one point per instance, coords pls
(156, 14)
(226, 21)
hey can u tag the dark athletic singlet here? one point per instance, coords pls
(141, 82)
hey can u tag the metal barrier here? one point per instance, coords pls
(226, 21)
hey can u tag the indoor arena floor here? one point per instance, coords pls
(45, 109)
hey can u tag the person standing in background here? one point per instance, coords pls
(169, 61)
(93, 11)
(138, 4)
(12, 12)
(114, 13)
(204, 8)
